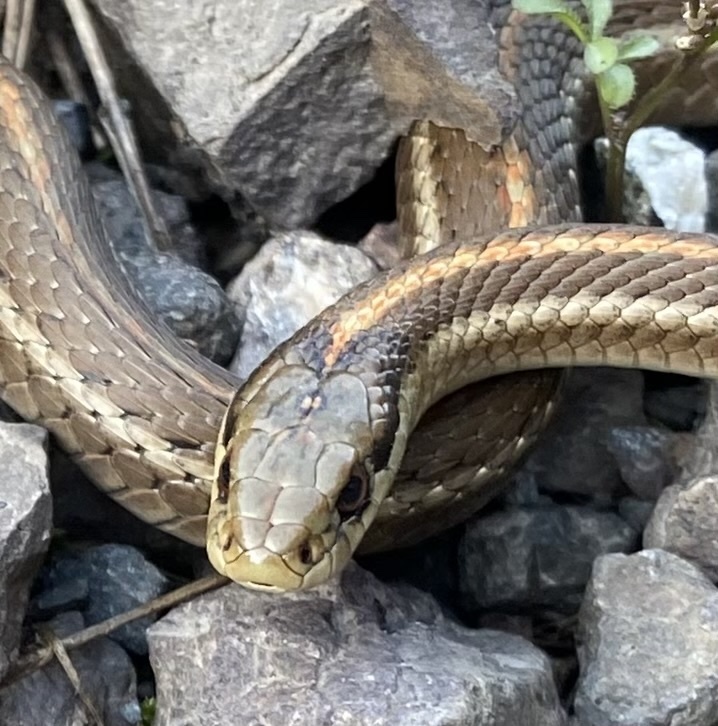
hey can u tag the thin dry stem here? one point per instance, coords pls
(63, 658)
(19, 18)
(70, 79)
(36, 659)
(25, 34)
(122, 135)
(11, 29)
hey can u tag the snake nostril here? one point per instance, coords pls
(227, 543)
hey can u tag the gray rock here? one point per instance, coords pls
(123, 222)
(711, 172)
(76, 120)
(678, 406)
(47, 696)
(113, 579)
(672, 171)
(63, 588)
(521, 560)
(292, 279)
(645, 458)
(648, 644)
(351, 652)
(664, 180)
(303, 111)
(685, 521)
(380, 244)
(699, 456)
(430, 566)
(635, 511)
(573, 453)
(25, 525)
(188, 300)
(524, 491)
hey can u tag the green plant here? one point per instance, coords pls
(148, 709)
(607, 60)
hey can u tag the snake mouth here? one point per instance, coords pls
(262, 587)
(286, 557)
(310, 561)
(262, 569)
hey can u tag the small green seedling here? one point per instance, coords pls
(148, 709)
(607, 59)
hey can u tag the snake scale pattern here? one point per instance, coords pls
(324, 444)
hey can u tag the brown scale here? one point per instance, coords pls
(140, 411)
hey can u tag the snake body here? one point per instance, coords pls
(309, 449)
(79, 353)
(314, 439)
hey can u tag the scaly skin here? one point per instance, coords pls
(139, 411)
(312, 443)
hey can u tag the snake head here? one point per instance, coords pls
(295, 480)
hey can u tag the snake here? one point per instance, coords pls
(344, 439)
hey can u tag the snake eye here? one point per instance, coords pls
(305, 554)
(355, 495)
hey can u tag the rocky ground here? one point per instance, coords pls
(584, 595)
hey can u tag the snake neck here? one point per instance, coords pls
(318, 434)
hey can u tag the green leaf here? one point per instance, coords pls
(639, 46)
(148, 711)
(557, 9)
(599, 13)
(617, 85)
(599, 55)
(536, 7)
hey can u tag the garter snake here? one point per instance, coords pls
(310, 446)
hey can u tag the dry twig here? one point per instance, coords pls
(36, 659)
(63, 658)
(119, 130)
(19, 17)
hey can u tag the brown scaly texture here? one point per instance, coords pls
(80, 354)
(455, 462)
(339, 400)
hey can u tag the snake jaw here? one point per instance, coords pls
(262, 569)
(289, 558)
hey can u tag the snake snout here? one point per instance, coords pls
(262, 569)
(265, 557)
(290, 495)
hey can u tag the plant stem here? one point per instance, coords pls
(615, 160)
(618, 134)
(35, 659)
(573, 24)
(615, 166)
